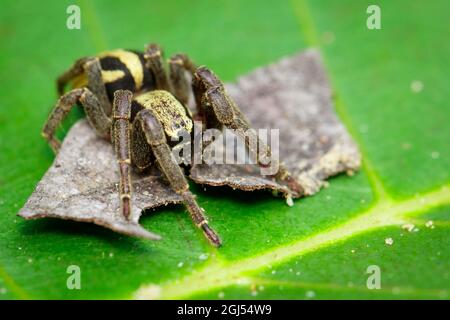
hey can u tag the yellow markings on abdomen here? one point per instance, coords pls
(109, 76)
(131, 61)
(168, 110)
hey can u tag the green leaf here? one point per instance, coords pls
(330, 238)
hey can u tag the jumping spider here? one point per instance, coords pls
(129, 99)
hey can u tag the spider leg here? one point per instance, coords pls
(120, 136)
(219, 110)
(95, 83)
(156, 138)
(94, 112)
(154, 60)
(179, 64)
(76, 70)
(86, 72)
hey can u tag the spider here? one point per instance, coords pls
(131, 100)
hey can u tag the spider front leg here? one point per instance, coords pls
(120, 136)
(155, 137)
(219, 110)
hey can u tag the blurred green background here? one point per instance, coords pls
(391, 90)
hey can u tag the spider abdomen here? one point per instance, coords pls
(121, 70)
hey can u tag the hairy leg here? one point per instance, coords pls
(94, 111)
(218, 110)
(89, 72)
(93, 72)
(179, 64)
(120, 136)
(155, 62)
(156, 138)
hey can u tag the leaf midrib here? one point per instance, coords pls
(220, 273)
(13, 287)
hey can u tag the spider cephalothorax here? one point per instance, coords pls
(130, 99)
